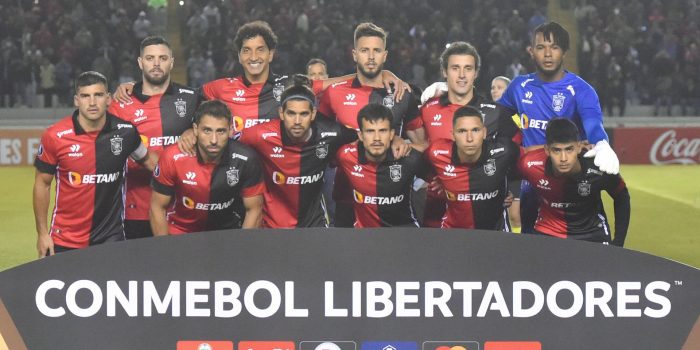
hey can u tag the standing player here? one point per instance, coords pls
(86, 153)
(161, 111)
(342, 101)
(296, 151)
(569, 186)
(548, 93)
(460, 63)
(220, 187)
(316, 69)
(473, 169)
(381, 184)
(498, 87)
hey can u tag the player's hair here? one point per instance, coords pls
(154, 40)
(299, 90)
(374, 112)
(554, 33)
(90, 78)
(315, 61)
(502, 78)
(467, 111)
(460, 48)
(215, 108)
(561, 130)
(369, 29)
(251, 30)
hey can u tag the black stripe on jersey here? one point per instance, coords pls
(112, 146)
(220, 192)
(392, 185)
(314, 160)
(177, 109)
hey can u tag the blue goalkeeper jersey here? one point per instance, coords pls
(537, 102)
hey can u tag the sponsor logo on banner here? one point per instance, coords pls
(658, 146)
(328, 345)
(266, 345)
(389, 345)
(450, 345)
(668, 148)
(512, 345)
(204, 345)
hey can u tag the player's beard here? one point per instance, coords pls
(370, 75)
(156, 81)
(549, 73)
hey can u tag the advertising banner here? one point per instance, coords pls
(19, 146)
(657, 146)
(344, 289)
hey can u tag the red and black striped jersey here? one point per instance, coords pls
(294, 173)
(571, 206)
(474, 193)
(160, 120)
(381, 191)
(208, 196)
(251, 104)
(341, 101)
(436, 116)
(89, 171)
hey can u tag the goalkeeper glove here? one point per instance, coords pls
(605, 157)
(434, 90)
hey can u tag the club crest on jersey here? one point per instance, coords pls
(277, 91)
(395, 172)
(181, 108)
(116, 145)
(558, 102)
(584, 189)
(232, 176)
(490, 167)
(322, 151)
(388, 101)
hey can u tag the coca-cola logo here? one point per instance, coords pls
(667, 149)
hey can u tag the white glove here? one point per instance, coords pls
(434, 90)
(605, 157)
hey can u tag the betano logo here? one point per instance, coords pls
(237, 123)
(281, 179)
(159, 141)
(470, 197)
(76, 179)
(189, 203)
(363, 199)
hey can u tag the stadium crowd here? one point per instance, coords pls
(639, 51)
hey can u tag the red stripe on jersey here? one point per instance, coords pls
(436, 115)
(243, 100)
(363, 184)
(455, 181)
(551, 220)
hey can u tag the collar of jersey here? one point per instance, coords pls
(363, 159)
(444, 100)
(138, 91)
(270, 79)
(285, 138)
(482, 157)
(79, 129)
(225, 157)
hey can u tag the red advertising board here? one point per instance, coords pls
(657, 146)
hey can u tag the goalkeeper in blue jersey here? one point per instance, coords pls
(552, 92)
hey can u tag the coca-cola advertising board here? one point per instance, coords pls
(657, 146)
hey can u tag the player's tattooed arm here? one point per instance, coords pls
(41, 197)
(157, 213)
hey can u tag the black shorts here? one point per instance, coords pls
(597, 236)
(134, 229)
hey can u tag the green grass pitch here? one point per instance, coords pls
(665, 213)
